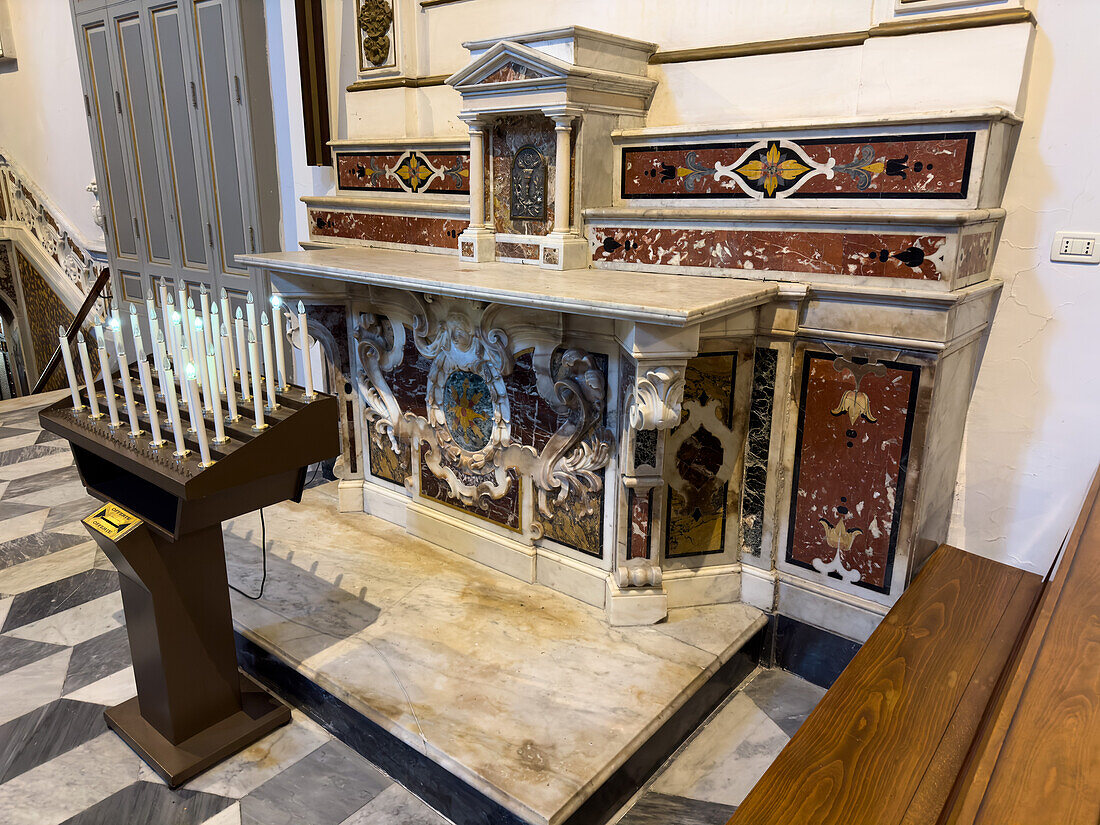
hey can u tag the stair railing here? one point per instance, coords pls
(93, 295)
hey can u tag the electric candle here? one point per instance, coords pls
(105, 372)
(307, 360)
(200, 364)
(89, 381)
(115, 325)
(191, 327)
(219, 423)
(278, 325)
(169, 387)
(257, 391)
(265, 334)
(250, 309)
(198, 424)
(158, 345)
(243, 353)
(216, 343)
(231, 395)
(70, 371)
(169, 326)
(162, 288)
(150, 408)
(227, 318)
(177, 334)
(212, 377)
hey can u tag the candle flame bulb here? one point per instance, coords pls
(190, 303)
(251, 300)
(171, 300)
(224, 294)
(276, 301)
(202, 289)
(190, 372)
(240, 317)
(198, 323)
(114, 323)
(301, 308)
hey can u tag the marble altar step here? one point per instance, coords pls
(495, 700)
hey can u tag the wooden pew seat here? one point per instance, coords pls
(975, 702)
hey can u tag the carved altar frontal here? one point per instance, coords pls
(490, 409)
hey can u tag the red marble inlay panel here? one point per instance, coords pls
(503, 511)
(927, 166)
(520, 251)
(408, 171)
(407, 229)
(913, 257)
(854, 427)
(638, 541)
(511, 71)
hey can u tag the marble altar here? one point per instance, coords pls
(662, 367)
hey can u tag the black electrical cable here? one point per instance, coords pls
(263, 579)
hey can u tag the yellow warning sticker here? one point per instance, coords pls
(112, 521)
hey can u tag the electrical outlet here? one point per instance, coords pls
(1076, 247)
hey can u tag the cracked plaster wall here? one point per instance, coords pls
(1032, 439)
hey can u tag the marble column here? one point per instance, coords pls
(478, 241)
(563, 131)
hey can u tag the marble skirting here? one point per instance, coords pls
(510, 701)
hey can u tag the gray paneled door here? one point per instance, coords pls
(175, 145)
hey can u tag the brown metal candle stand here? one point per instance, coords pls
(161, 528)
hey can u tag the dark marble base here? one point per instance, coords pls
(666, 809)
(455, 799)
(816, 655)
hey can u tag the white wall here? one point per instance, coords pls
(1033, 435)
(42, 122)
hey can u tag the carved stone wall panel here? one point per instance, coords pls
(925, 166)
(507, 137)
(700, 457)
(855, 423)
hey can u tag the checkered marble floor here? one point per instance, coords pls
(64, 657)
(712, 773)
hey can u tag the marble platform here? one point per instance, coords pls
(525, 695)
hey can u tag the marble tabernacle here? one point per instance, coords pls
(655, 368)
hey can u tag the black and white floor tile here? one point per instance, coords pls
(710, 775)
(64, 657)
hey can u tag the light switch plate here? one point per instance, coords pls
(1076, 247)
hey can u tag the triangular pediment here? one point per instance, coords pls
(509, 62)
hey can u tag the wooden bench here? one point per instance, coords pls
(976, 700)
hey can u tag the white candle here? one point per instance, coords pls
(169, 325)
(105, 372)
(278, 327)
(89, 381)
(257, 391)
(243, 353)
(307, 361)
(269, 374)
(177, 333)
(227, 319)
(158, 345)
(231, 395)
(70, 371)
(200, 364)
(219, 423)
(168, 385)
(124, 373)
(162, 287)
(191, 327)
(150, 402)
(207, 330)
(215, 342)
(250, 309)
(197, 421)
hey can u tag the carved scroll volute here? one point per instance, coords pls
(658, 398)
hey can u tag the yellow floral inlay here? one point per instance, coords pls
(838, 536)
(855, 403)
(772, 170)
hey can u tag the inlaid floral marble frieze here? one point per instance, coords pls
(854, 427)
(924, 166)
(408, 230)
(410, 171)
(854, 254)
